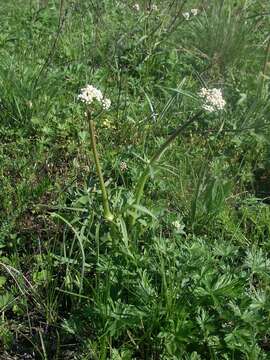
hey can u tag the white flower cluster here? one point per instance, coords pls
(179, 227)
(213, 99)
(136, 7)
(176, 224)
(193, 12)
(90, 93)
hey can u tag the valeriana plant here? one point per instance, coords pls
(89, 96)
(212, 101)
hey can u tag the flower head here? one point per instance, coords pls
(186, 15)
(194, 12)
(136, 7)
(176, 224)
(213, 99)
(90, 93)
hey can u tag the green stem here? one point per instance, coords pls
(155, 158)
(264, 70)
(107, 213)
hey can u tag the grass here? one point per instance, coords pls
(182, 270)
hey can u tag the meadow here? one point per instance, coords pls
(135, 180)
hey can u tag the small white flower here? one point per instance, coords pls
(136, 7)
(213, 99)
(194, 12)
(90, 93)
(106, 103)
(176, 224)
(186, 15)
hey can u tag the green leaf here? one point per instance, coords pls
(3, 280)
(144, 210)
(5, 301)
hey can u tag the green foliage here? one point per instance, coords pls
(184, 272)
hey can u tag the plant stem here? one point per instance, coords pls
(264, 71)
(107, 213)
(155, 158)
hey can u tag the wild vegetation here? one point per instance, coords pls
(135, 181)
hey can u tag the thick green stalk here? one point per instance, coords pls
(155, 158)
(107, 213)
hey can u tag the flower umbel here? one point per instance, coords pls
(136, 7)
(194, 12)
(176, 224)
(90, 93)
(213, 99)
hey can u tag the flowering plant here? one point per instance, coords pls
(212, 101)
(88, 95)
